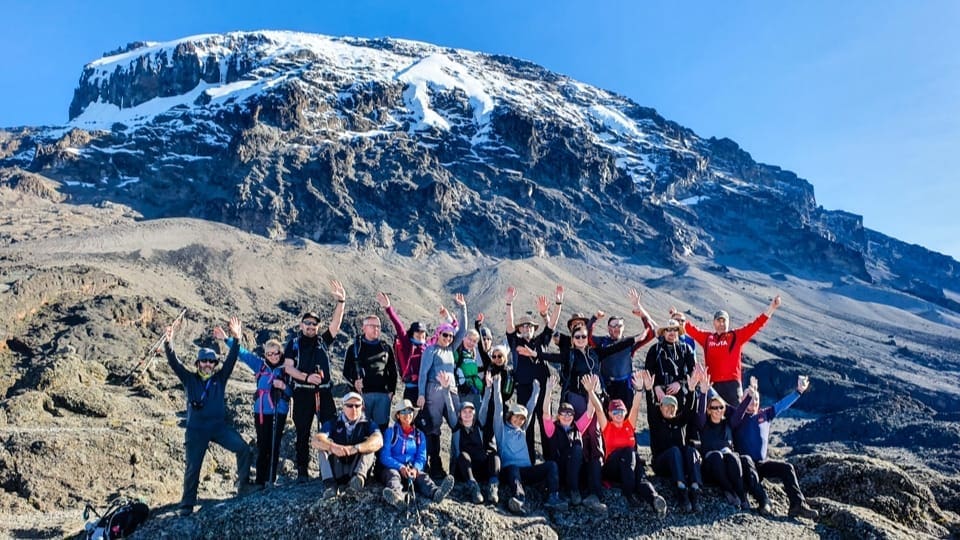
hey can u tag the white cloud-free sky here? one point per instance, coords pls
(861, 98)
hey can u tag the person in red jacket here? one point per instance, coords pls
(722, 349)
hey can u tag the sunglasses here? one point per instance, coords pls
(716, 407)
(671, 330)
(618, 412)
(272, 353)
(214, 362)
(446, 335)
(405, 411)
(498, 355)
(309, 323)
(615, 325)
(352, 405)
(580, 336)
(566, 413)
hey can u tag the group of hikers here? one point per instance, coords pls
(495, 395)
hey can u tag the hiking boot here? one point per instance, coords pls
(393, 497)
(475, 494)
(695, 495)
(745, 504)
(356, 483)
(660, 505)
(803, 510)
(731, 498)
(594, 505)
(554, 502)
(329, 489)
(185, 510)
(575, 498)
(516, 506)
(493, 492)
(444, 489)
(765, 508)
(683, 501)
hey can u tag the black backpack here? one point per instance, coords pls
(119, 520)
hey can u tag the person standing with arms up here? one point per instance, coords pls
(307, 364)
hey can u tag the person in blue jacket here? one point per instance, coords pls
(751, 437)
(271, 403)
(207, 414)
(404, 456)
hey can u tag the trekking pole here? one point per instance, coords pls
(413, 499)
(153, 352)
(273, 445)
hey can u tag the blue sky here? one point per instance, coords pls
(861, 98)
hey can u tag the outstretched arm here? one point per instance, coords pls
(461, 329)
(635, 408)
(774, 304)
(510, 296)
(547, 416)
(531, 403)
(558, 302)
(595, 401)
(336, 288)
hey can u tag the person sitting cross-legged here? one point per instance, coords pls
(403, 457)
(348, 447)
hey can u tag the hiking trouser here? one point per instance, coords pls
(477, 468)
(625, 466)
(724, 469)
(569, 465)
(771, 468)
(682, 465)
(269, 435)
(307, 405)
(751, 479)
(377, 407)
(423, 484)
(730, 391)
(524, 391)
(341, 469)
(435, 403)
(517, 476)
(196, 442)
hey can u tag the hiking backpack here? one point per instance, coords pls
(119, 520)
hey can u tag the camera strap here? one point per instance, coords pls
(203, 395)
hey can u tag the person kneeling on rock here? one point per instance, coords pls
(404, 456)
(348, 447)
(206, 413)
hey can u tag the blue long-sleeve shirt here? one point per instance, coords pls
(752, 435)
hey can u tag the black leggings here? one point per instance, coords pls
(517, 476)
(626, 467)
(724, 470)
(484, 468)
(269, 432)
(682, 465)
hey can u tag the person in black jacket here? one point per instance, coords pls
(371, 368)
(206, 414)
(672, 457)
(348, 447)
(307, 364)
(472, 458)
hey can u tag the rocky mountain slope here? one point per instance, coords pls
(237, 173)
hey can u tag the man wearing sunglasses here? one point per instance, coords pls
(348, 447)
(307, 364)
(207, 414)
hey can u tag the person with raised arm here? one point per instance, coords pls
(671, 361)
(408, 346)
(472, 458)
(622, 462)
(722, 349)
(616, 370)
(672, 456)
(528, 366)
(439, 358)
(307, 364)
(751, 438)
(716, 422)
(205, 391)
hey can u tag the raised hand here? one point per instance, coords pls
(337, 290)
(634, 295)
(803, 382)
(236, 329)
(383, 300)
(692, 382)
(219, 334)
(168, 334)
(552, 381)
(444, 313)
(488, 378)
(358, 384)
(460, 299)
(511, 294)
(542, 304)
(637, 379)
(480, 318)
(599, 314)
(754, 384)
(558, 294)
(647, 379)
